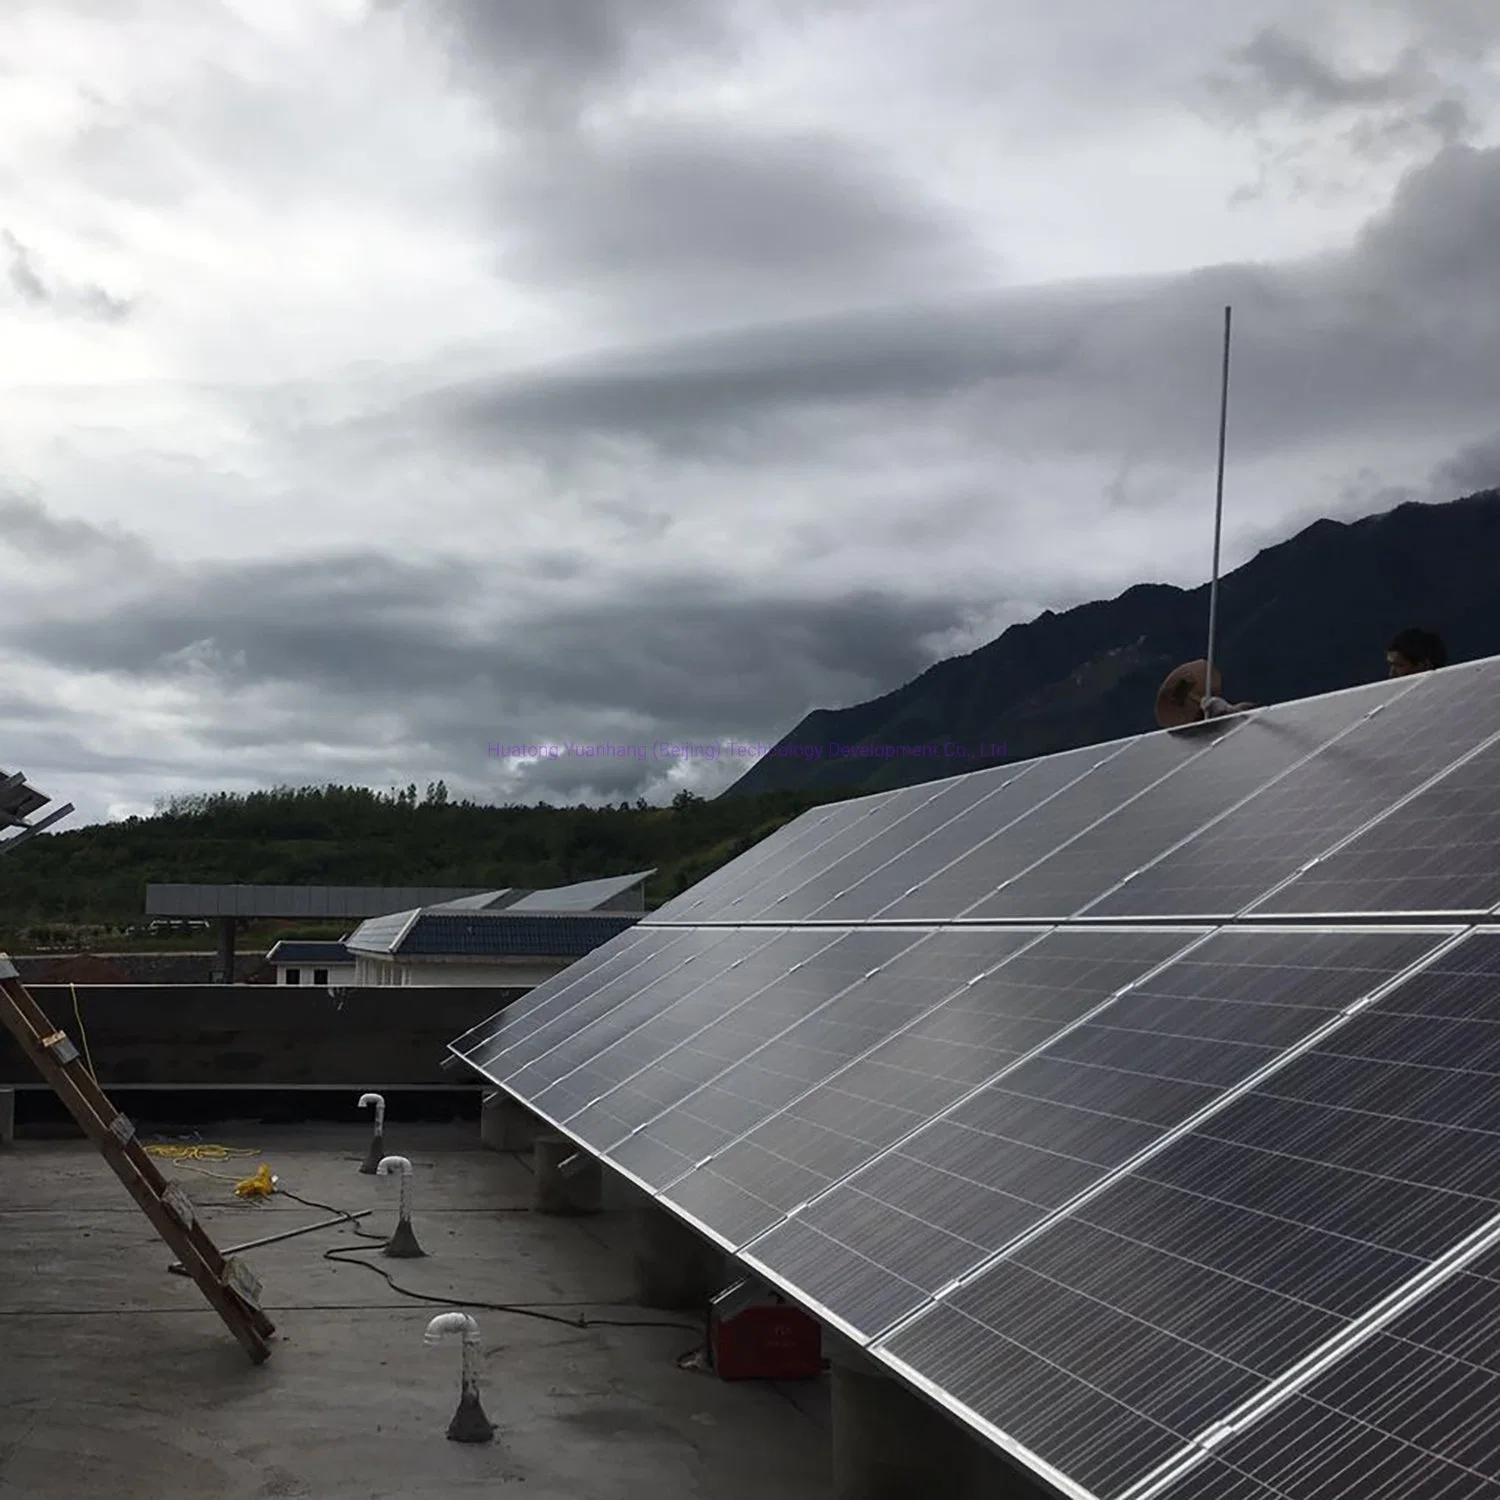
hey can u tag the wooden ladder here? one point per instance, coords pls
(232, 1290)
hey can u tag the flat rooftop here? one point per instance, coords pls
(117, 1379)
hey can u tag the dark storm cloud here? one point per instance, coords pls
(1401, 331)
(384, 632)
(82, 300)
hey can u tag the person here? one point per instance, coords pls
(1181, 699)
(1415, 651)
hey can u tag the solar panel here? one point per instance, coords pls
(1243, 1246)
(1426, 722)
(787, 843)
(624, 1085)
(1438, 853)
(732, 1027)
(842, 835)
(1159, 1207)
(881, 1243)
(618, 1008)
(1083, 869)
(1410, 1413)
(567, 999)
(965, 807)
(674, 1142)
(1002, 1008)
(1021, 843)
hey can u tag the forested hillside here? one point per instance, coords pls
(339, 835)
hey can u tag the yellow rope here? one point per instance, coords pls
(88, 1061)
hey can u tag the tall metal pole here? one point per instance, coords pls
(1213, 588)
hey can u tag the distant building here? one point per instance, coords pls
(506, 938)
(307, 963)
(478, 947)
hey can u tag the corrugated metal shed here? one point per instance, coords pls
(587, 895)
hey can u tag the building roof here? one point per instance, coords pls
(297, 900)
(484, 901)
(586, 895)
(489, 934)
(295, 951)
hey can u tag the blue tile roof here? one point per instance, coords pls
(295, 951)
(499, 934)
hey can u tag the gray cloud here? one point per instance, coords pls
(673, 220)
(362, 623)
(67, 299)
(541, 60)
(1281, 67)
(29, 528)
(333, 649)
(1400, 329)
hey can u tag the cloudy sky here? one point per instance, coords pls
(384, 380)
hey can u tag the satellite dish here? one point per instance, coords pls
(1179, 699)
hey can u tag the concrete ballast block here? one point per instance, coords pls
(675, 1269)
(568, 1179)
(506, 1125)
(889, 1444)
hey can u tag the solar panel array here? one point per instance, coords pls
(1140, 1105)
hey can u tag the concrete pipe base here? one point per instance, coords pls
(889, 1444)
(577, 1190)
(675, 1269)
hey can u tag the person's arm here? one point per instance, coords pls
(1215, 708)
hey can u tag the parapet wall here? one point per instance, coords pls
(261, 1036)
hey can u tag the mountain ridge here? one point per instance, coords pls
(1307, 615)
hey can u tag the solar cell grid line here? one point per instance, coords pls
(528, 1026)
(612, 956)
(857, 825)
(904, 870)
(955, 797)
(1061, 1123)
(712, 1051)
(787, 842)
(738, 1189)
(1026, 840)
(675, 1140)
(827, 1133)
(1436, 853)
(1249, 1242)
(1220, 870)
(1413, 1409)
(1097, 858)
(585, 1100)
(632, 1006)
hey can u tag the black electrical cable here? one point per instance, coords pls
(340, 1254)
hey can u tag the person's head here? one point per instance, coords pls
(1415, 651)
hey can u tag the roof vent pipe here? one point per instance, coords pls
(402, 1245)
(377, 1145)
(469, 1424)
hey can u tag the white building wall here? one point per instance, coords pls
(338, 974)
(369, 970)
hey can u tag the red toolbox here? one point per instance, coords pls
(763, 1339)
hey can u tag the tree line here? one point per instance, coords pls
(351, 835)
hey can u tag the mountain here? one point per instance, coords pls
(1310, 615)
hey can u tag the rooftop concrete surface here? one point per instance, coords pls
(117, 1379)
